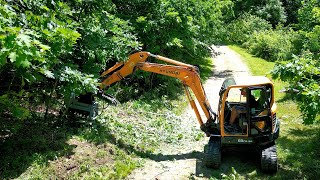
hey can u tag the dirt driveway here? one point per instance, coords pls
(184, 161)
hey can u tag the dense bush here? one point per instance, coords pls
(50, 48)
(270, 10)
(303, 71)
(309, 15)
(303, 74)
(178, 29)
(272, 44)
(291, 8)
(240, 30)
(308, 41)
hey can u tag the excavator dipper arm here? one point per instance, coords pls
(187, 73)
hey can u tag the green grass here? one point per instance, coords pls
(54, 148)
(257, 66)
(298, 144)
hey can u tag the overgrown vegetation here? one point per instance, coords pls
(293, 42)
(52, 48)
(271, 44)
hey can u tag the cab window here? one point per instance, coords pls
(234, 96)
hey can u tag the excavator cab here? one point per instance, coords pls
(247, 116)
(247, 109)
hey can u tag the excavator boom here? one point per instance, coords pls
(188, 74)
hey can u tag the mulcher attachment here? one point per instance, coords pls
(269, 159)
(212, 153)
(84, 106)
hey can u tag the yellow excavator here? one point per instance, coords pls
(246, 110)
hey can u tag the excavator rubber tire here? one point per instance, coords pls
(212, 153)
(269, 159)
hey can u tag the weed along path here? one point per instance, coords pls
(183, 160)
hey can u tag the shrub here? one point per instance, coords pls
(271, 10)
(272, 44)
(303, 74)
(50, 48)
(240, 30)
(177, 29)
(308, 41)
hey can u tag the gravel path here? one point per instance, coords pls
(183, 161)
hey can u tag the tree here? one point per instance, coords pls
(303, 71)
(270, 10)
(291, 8)
(50, 48)
(174, 28)
(309, 15)
(273, 12)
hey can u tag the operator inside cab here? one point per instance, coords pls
(237, 110)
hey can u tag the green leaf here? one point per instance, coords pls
(20, 112)
(2, 36)
(141, 19)
(25, 64)
(48, 74)
(22, 61)
(13, 56)
(44, 47)
(25, 38)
